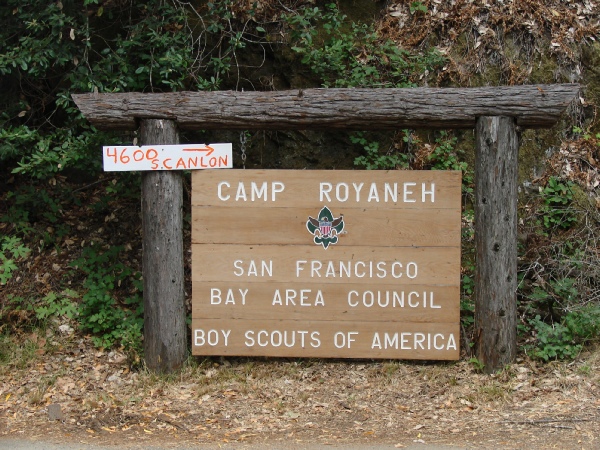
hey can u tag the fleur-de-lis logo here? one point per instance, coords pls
(326, 227)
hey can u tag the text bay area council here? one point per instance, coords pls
(315, 297)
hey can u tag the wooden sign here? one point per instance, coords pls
(167, 157)
(349, 264)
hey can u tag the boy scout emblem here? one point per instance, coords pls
(326, 228)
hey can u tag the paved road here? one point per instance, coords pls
(18, 444)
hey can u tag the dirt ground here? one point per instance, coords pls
(78, 394)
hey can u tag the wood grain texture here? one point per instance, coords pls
(345, 302)
(496, 177)
(396, 263)
(363, 227)
(329, 109)
(326, 339)
(339, 189)
(435, 266)
(165, 346)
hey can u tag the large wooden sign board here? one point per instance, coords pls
(344, 264)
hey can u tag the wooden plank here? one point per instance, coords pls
(312, 264)
(363, 227)
(417, 189)
(331, 109)
(325, 339)
(257, 262)
(345, 302)
(496, 175)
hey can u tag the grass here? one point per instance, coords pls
(19, 354)
(492, 391)
(36, 395)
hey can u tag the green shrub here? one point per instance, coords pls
(61, 305)
(11, 250)
(111, 307)
(374, 159)
(53, 49)
(467, 303)
(446, 156)
(566, 339)
(558, 198)
(350, 54)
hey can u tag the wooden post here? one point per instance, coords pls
(496, 179)
(165, 337)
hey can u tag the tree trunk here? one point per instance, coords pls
(496, 241)
(165, 334)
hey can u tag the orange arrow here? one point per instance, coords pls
(207, 148)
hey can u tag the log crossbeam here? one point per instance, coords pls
(331, 109)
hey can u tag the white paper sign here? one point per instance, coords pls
(167, 157)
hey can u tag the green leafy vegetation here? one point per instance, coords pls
(467, 304)
(587, 135)
(11, 250)
(558, 199)
(57, 306)
(348, 54)
(417, 7)
(478, 366)
(110, 317)
(52, 50)
(558, 285)
(566, 339)
(374, 159)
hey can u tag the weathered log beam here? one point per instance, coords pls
(329, 109)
